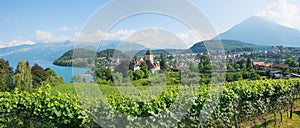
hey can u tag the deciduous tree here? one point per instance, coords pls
(163, 64)
(23, 78)
(38, 75)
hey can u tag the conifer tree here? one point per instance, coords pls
(163, 64)
(5, 75)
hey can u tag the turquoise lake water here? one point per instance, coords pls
(65, 72)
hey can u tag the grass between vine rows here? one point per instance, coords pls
(270, 121)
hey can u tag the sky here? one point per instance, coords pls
(48, 21)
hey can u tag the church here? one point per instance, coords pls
(149, 59)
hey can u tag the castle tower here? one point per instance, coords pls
(149, 57)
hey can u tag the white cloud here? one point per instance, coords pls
(91, 37)
(16, 43)
(2, 45)
(152, 37)
(98, 35)
(282, 12)
(120, 35)
(64, 28)
(124, 33)
(157, 38)
(20, 42)
(191, 38)
(43, 35)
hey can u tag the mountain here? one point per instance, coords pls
(112, 53)
(262, 32)
(232, 45)
(77, 54)
(39, 51)
(52, 51)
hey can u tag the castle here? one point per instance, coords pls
(149, 59)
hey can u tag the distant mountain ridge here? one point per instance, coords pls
(52, 51)
(228, 45)
(81, 53)
(39, 51)
(258, 31)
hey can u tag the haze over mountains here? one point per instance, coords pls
(252, 32)
(52, 51)
(258, 31)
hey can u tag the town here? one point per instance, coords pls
(274, 63)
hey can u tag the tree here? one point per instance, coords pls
(193, 67)
(163, 64)
(23, 78)
(249, 64)
(285, 70)
(237, 76)
(254, 76)
(204, 63)
(52, 78)
(77, 79)
(229, 77)
(244, 66)
(204, 59)
(241, 62)
(144, 68)
(147, 74)
(222, 66)
(138, 74)
(38, 75)
(50, 72)
(103, 73)
(6, 74)
(229, 67)
(291, 62)
(237, 66)
(130, 74)
(204, 67)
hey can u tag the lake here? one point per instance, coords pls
(65, 72)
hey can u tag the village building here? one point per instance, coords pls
(149, 59)
(277, 66)
(259, 65)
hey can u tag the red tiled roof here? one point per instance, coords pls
(259, 63)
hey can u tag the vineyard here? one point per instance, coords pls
(152, 106)
(40, 109)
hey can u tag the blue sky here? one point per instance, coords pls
(31, 21)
